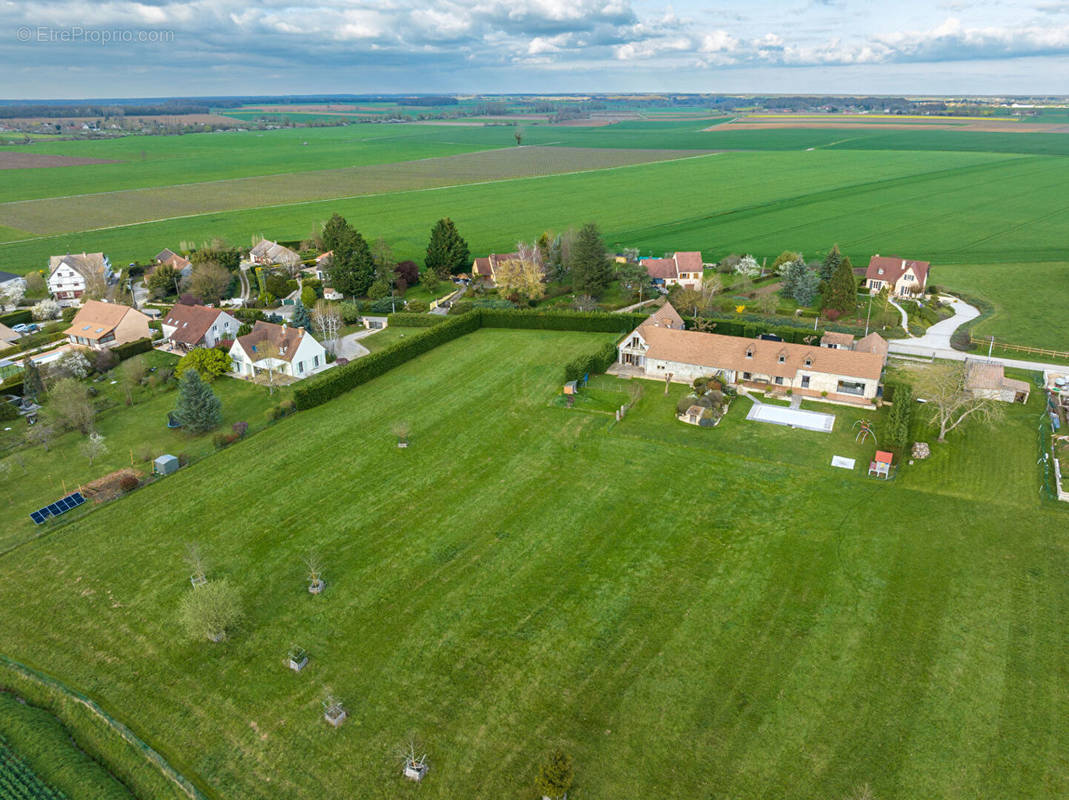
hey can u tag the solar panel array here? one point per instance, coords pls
(57, 508)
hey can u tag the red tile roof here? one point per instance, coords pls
(891, 268)
(191, 322)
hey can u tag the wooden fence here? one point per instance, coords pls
(1020, 348)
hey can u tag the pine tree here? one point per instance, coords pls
(301, 317)
(900, 417)
(590, 267)
(32, 385)
(198, 409)
(447, 252)
(830, 265)
(806, 287)
(352, 270)
(334, 231)
(840, 293)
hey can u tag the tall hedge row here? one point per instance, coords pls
(407, 319)
(592, 321)
(18, 317)
(334, 382)
(130, 349)
(591, 363)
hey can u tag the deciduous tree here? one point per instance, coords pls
(163, 281)
(209, 362)
(94, 447)
(210, 610)
(327, 321)
(523, 274)
(45, 309)
(210, 281)
(69, 405)
(948, 400)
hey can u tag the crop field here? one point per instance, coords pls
(953, 197)
(688, 612)
(54, 215)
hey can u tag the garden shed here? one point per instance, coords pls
(165, 465)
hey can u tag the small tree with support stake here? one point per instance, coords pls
(555, 776)
(315, 573)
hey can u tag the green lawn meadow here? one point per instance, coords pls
(689, 612)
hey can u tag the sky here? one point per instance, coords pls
(157, 48)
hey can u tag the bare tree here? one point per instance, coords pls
(69, 405)
(949, 400)
(268, 363)
(198, 572)
(584, 302)
(40, 434)
(524, 274)
(133, 372)
(327, 320)
(210, 281)
(314, 565)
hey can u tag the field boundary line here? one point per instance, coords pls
(169, 772)
(46, 237)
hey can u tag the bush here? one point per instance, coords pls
(962, 340)
(207, 611)
(286, 407)
(350, 313)
(104, 360)
(8, 411)
(593, 321)
(208, 361)
(417, 306)
(128, 482)
(240, 428)
(221, 440)
(461, 307)
(19, 317)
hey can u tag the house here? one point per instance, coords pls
(101, 325)
(330, 293)
(903, 277)
(837, 341)
(290, 351)
(187, 327)
(315, 271)
(8, 337)
(661, 348)
(988, 379)
(267, 253)
(682, 269)
(486, 268)
(10, 279)
(181, 265)
(71, 275)
(873, 343)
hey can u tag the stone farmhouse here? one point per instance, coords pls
(181, 264)
(682, 269)
(102, 325)
(988, 379)
(71, 275)
(903, 277)
(291, 352)
(661, 348)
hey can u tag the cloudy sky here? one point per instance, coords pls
(114, 48)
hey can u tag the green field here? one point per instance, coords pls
(689, 612)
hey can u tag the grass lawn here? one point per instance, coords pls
(34, 477)
(387, 336)
(1030, 300)
(689, 612)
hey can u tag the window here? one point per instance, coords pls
(315, 361)
(875, 284)
(214, 328)
(749, 351)
(782, 358)
(805, 381)
(779, 381)
(300, 366)
(808, 361)
(851, 387)
(746, 376)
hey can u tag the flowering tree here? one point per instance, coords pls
(327, 321)
(94, 447)
(45, 309)
(12, 295)
(748, 266)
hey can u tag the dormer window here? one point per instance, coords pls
(749, 351)
(808, 361)
(782, 358)
(879, 271)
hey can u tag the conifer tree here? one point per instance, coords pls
(352, 269)
(840, 293)
(590, 267)
(198, 409)
(301, 318)
(447, 252)
(830, 264)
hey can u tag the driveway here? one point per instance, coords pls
(936, 342)
(905, 317)
(349, 346)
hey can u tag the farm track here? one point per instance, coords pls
(57, 215)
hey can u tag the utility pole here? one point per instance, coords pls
(867, 315)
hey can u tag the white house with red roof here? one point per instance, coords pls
(681, 269)
(186, 327)
(904, 277)
(285, 350)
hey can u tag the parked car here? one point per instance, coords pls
(25, 327)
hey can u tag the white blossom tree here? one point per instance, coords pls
(94, 447)
(327, 321)
(12, 295)
(45, 309)
(748, 267)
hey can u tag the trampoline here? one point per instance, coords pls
(791, 417)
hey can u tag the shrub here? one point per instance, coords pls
(8, 411)
(221, 440)
(286, 407)
(962, 340)
(130, 349)
(207, 611)
(20, 317)
(417, 306)
(128, 482)
(271, 414)
(104, 360)
(461, 307)
(350, 313)
(406, 319)
(240, 428)
(591, 363)
(208, 361)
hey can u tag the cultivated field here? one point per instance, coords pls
(689, 612)
(90, 211)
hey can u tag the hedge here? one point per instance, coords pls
(591, 363)
(18, 317)
(129, 349)
(406, 319)
(592, 321)
(332, 383)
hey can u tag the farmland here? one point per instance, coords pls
(646, 595)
